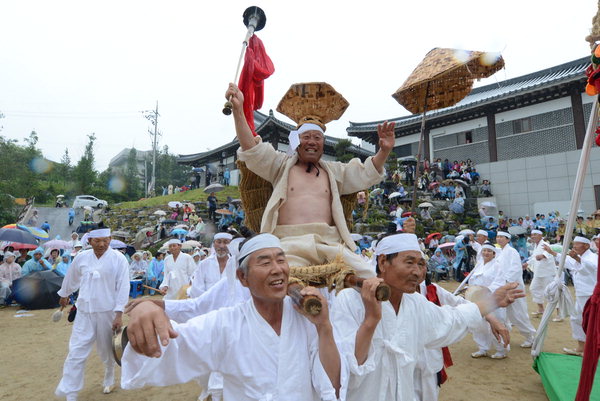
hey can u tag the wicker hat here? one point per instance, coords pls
(444, 78)
(312, 102)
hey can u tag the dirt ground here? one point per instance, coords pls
(33, 350)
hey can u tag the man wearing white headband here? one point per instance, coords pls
(542, 264)
(481, 236)
(583, 265)
(179, 268)
(487, 273)
(102, 276)
(509, 261)
(384, 339)
(299, 359)
(212, 269)
(305, 210)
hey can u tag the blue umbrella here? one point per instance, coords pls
(179, 231)
(16, 235)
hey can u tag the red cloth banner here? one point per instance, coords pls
(257, 67)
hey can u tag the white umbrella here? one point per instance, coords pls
(425, 204)
(214, 188)
(175, 204)
(394, 195)
(160, 213)
(356, 237)
(193, 244)
(184, 226)
(516, 230)
(88, 208)
(467, 232)
(57, 244)
(488, 204)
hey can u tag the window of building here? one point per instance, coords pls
(522, 125)
(463, 138)
(403, 150)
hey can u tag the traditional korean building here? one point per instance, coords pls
(524, 134)
(271, 130)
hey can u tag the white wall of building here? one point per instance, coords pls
(548, 181)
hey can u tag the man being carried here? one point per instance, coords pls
(299, 359)
(305, 210)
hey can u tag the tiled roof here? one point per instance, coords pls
(568, 72)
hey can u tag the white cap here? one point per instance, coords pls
(582, 240)
(99, 233)
(8, 254)
(258, 242)
(482, 232)
(397, 243)
(537, 232)
(173, 241)
(489, 246)
(504, 234)
(223, 236)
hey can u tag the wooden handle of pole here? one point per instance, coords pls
(382, 293)
(309, 303)
(151, 288)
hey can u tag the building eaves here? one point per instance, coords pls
(568, 72)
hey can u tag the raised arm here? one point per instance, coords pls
(387, 140)
(242, 130)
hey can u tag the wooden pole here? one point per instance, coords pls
(420, 149)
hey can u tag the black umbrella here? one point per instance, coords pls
(16, 235)
(38, 290)
(169, 221)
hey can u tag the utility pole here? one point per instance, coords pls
(152, 116)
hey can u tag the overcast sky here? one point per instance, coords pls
(70, 68)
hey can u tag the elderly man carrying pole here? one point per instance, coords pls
(298, 354)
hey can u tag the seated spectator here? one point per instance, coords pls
(438, 265)
(138, 267)
(425, 215)
(458, 205)
(436, 193)
(451, 192)
(458, 189)
(36, 263)
(466, 176)
(9, 272)
(443, 191)
(474, 176)
(486, 189)
(62, 266)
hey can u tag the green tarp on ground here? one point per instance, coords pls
(560, 376)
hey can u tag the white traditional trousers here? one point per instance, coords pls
(87, 329)
(483, 336)
(518, 315)
(538, 286)
(577, 318)
(317, 244)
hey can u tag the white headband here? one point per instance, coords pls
(537, 232)
(397, 243)
(490, 247)
(504, 234)
(100, 233)
(581, 239)
(482, 232)
(222, 236)
(173, 241)
(295, 135)
(257, 243)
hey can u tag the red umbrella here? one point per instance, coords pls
(591, 352)
(447, 245)
(408, 214)
(431, 236)
(17, 245)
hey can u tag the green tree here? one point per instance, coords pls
(341, 150)
(63, 170)
(84, 174)
(132, 178)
